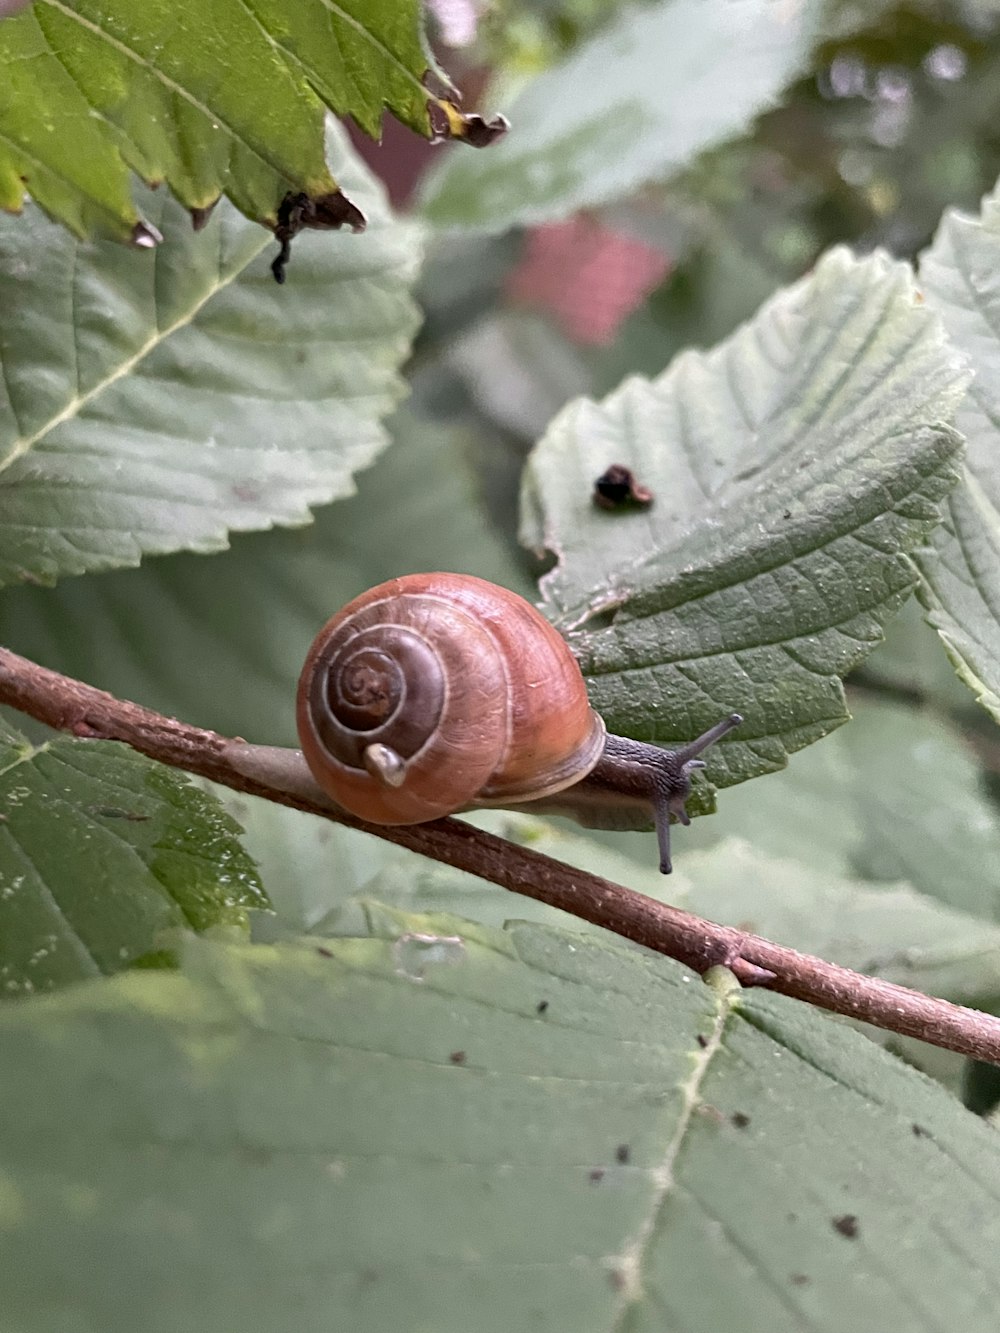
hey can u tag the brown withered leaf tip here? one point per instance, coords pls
(200, 216)
(447, 122)
(618, 488)
(299, 212)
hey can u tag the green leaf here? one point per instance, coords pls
(793, 468)
(231, 101)
(912, 662)
(888, 931)
(961, 587)
(306, 864)
(521, 1127)
(636, 102)
(221, 642)
(101, 850)
(153, 403)
(897, 795)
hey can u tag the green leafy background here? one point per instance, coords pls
(409, 1099)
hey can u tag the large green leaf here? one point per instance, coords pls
(221, 642)
(793, 468)
(231, 100)
(913, 663)
(897, 795)
(157, 403)
(636, 102)
(102, 850)
(452, 1127)
(961, 572)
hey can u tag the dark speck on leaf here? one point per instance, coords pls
(846, 1225)
(457, 1057)
(323, 953)
(919, 1131)
(618, 488)
(617, 1279)
(597, 1175)
(740, 1119)
(787, 514)
(799, 1279)
(702, 1041)
(542, 1007)
(622, 1153)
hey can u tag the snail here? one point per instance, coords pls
(437, 693)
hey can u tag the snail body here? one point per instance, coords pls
(435, 693)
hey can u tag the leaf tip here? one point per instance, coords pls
(144, 236)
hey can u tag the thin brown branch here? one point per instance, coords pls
(69, 705)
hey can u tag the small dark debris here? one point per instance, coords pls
(542, 1007)
(297, 212)
(622, 1153)
(597, 1175)
(740, 1119)
(847, 1226)
(791, 1217)
(447, 122)
(919, 1131)
(457, 1057)
(799, 1280)
(323, 953)
(787, 514)
(618, 487)
(702, 1041)
(617, 1279)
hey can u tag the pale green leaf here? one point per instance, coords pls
(912, 662)
(793, 468)
(891, 931)
(631, 105)
(229, 101)
(960, 275)
(897, 795)
(101, 851)
(454, 1127)
(153, 403)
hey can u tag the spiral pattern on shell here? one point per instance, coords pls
(433, 692)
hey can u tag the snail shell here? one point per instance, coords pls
(434, 692)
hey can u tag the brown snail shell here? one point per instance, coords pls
(435, 692)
